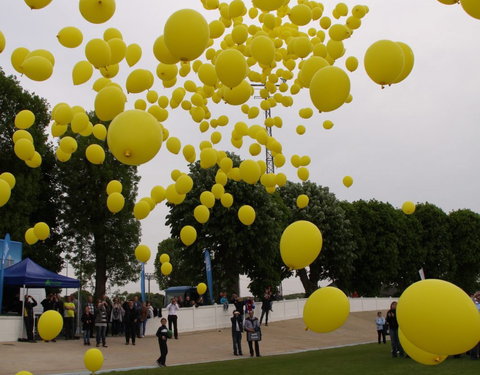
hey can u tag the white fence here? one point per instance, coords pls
(214, 317)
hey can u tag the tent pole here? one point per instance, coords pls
(23, 310)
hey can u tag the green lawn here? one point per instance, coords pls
(368, 359)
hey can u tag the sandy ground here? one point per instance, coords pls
(279, 337)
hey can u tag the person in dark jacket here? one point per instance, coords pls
(30, 303)
(239, 304)
(162, 334)
(237, 329)
(397, 349)
(88, 320)
(131, 320)
(266, 305)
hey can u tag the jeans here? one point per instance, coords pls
(172, 319)
(86, 335)
(395, 341)
(380, 334)
(29, 327)
(143, 327)
(101, 330)
(237, 342)
(257, 349)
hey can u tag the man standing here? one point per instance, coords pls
(131, 322)
(266, 305)
(30, 303)
(172, 309)
(162, 334)
(397, 349)
(92, 307)
(69, 317)
(252, 326)
(237, 329)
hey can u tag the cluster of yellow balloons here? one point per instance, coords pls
(40, 231)
(7, 183)
(115, 199)
(36, 65)
(437, 319)
(471, 7)
(166, 268)
(23, 141)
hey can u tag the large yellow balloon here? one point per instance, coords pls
(18, 57)
(115, 202)
(98, 53)
(70, 37)
(139, 80)
(109, 102)
(246, 215)
(239, 94)
(142, 253)
(68, 145)
(50, 325)
(384, 61)
(263, 49)
(329, 88)
(300, 14)
(95, 154)
(419, 355)
(326, 310)
(164, 258)
(95, 11)
(93, 360)
(201, 288)
(82, 72)
(37, 68)
(134, 137)
(118, 49)
(201, 213)
(166, 268)
(231, 67)
(30, 237)
(186, 34)
(24, 119)
(41, 230)
(309, 68)
(300, 244)
(438, 317)
(250, 171)
(141, 210)
(24, 149)
(24, 373)
(408, 63)
(472, 7)
(188, 235)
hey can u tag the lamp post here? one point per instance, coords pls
(149, 276)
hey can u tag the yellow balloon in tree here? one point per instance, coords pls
(201, 213)
(114, 186)
(70, 37)
(100, 132)
(246, 215)
(326, 310)
(24, 149)
(472, 8)
(201, 288)
(9, 178)
(41, 230)
(95, 11)
(142, 253)
(347, 181)
(109, 102)
(5, 192)
(115, 202)
(188, 235)
(134, 137)
(419, 355)
(231, 67)
(50, 325)
(68, 145)
(250, 171)
(82, 72)
(329, 88)
(133, 54)
(226, 200)
(93, 360)
(438, 317)
(384, 62)
(164, 258)
(141, 210)
(184, 184)
(207, 199)
(186, 34)
(30, 237)
(300, 244)
(408, 63)
(263, 49)
(37, 68)
(302, 201)
(166, 268)
(95, 154)
(208, 157)
(24, 119)
(98, 53)
(408, 207)
(37, 4)
(139, 80)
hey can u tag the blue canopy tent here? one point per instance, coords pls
(29, 274)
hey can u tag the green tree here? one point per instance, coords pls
(36, 194)
(335, 261)
(99, 244)
(465, 232)
(236, 248)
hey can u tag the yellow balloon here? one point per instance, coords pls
(326, 310)
(351, 63)
(35, 161)
(133, 54)
(70, 37)
(112, 33)
(408, 207)
(68, 145)
(201, 288)
(263, 50)
(50, 325)
(246, 215)
(142, 253)
(448, 2)
(115, 202)
(208, 157)
(109, 102)
(207, 74)
(207, 198)
(201, 213)
(338, 32)
(419, 355)
(329, 88)
(118, 48)
(24, 119)
(438, 317)
(100, 132)
(164, 258)
(174, 145)
(302, 201)
(472, 8)
(41, 230)
(9, 178)
(37, 68)
(186, 34)
(82, 72)
(250, 171)
(184, 184)
(216, 29)
(173, 196)
(141, 210)
(309, 68)
(24, 373)
(300, 244)
(93, 360)
(37, 4)
(98, 53)
(95, 11)
(300, 15)
(3, 42)
(139, 80)
(62, 156)
(24, 149)
(347, 181)
(226, 200)
(30, 237)
(158, 194)
(166, 268)
(302, 46)
(409, 61)
(114, 186)
(5, 192)
(231, 67)
(327, 124)
(188, 235)
(239, 94)
(303, 173)
(95, 154)
(134, 137)
(18, 57)
(268, 5)
(384, 61)
(240, 34)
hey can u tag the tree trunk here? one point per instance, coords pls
(100, 266)
(308, 285)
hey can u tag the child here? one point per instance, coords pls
(87, 321)
(380, 322)
(224, 302)
(162, 334)
(237, 329)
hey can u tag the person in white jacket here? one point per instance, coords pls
(172, 309)
(381, 329)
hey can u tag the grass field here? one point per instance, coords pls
(371, 359)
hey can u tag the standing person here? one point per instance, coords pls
(380, 322)
(163, 336)
(28, 318)
(88, 320)
(69, 317)
(249, 305)
(237, 329)
(172, 309)
(47, 303)
(101, 322)
(138, 306)
(266, 305)
(131, 321)
(252, 327)
(91, 304)
(397, 349)
(142, 323)
(239, 304)
(116, 317)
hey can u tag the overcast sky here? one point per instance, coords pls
(416, 141)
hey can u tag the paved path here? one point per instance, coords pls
(280, 337)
